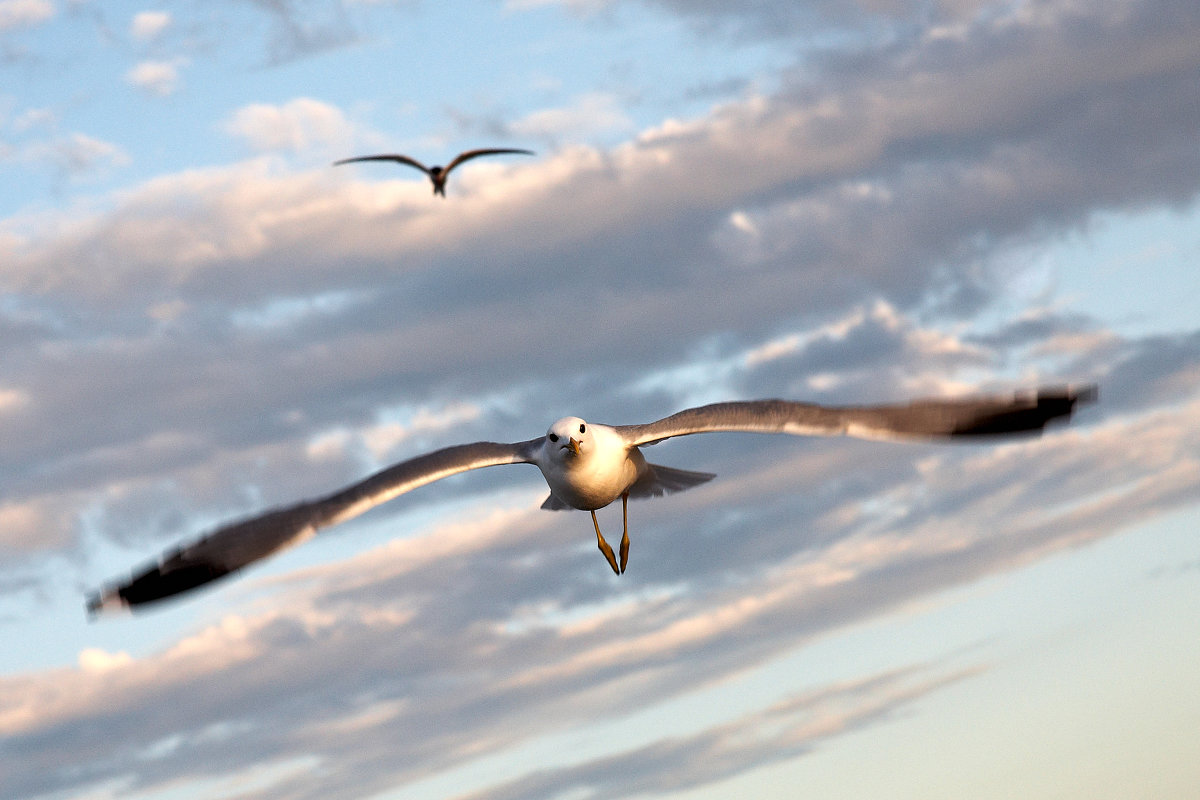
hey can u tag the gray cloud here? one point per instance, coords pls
(300, 29)
(791, 728)
(896, 180)
(490, 674)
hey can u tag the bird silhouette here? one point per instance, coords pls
(437, 174)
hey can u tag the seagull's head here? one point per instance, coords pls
(568, 438)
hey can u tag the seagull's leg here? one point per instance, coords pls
(624, 531)
(603, 545)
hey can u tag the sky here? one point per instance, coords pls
(837, 202)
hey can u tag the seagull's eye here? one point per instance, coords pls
(554, 437)
(581, 427)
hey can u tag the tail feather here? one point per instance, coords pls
(659, 480)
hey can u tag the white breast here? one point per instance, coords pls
(601, 474)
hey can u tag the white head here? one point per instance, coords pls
(568, 438)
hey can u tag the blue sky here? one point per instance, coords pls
(839, 202)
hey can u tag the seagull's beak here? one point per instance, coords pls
(573, 443)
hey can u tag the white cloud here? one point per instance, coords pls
(159, 78)
(588, 115)
(34, 118)
(79, 154)
(296, 126)
(12, 400)
(16, 14)
(380, 440)
(94, 659)
(148, 25)
(170, 388)
(576, 5)
(41, 523)
(76, 155)
(19, 524)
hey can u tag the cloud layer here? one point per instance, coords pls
(211, 340)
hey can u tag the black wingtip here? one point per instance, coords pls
(1047, 405)
(151, 586)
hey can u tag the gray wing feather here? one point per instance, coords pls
(412, 162)
(552, 503)
(486, 151)
(659, 480)
(234, 546)
(980, 416)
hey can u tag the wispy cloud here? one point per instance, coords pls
(782, 732)
(216, 339)
(149, 25)
(18, 14)
(75, 156)
(296, 126)
(410, 610)
(588, 115)
(159, 78)
(302, 28)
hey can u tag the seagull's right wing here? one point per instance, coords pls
(486, 151)
(412, 162)
(233, 546)
(920, 419)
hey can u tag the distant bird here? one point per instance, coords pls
(436, 174)
(587, 466)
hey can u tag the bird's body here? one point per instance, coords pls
(586, 466)
(437, 174)
(601, 470)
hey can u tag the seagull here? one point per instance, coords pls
(587, 466)
(436, 174)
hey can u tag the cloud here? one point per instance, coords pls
(18, 14)
(209, 342)
(587, 116)
(76, 156)
(296, 126)
(160, 78)
(860, 175)
(788, 729)
(34, 118)
(149, 25)
(303, 28)
(12, 400)
(27, 526)
(543, 653)
(93, 659)
(856, 212)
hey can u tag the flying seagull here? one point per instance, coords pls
(587, 466)
(436, 174)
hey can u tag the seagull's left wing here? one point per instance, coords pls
(487, 151)
(233, 546)
(921, 419)
(397, 157)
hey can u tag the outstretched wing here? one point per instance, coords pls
(980, 416)
(487, 151)
(233, 546)
(412, 162)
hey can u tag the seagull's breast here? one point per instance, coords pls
(597, 477)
